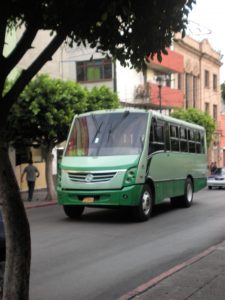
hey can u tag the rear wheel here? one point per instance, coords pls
(143, 211)
(187, 198)
(209, 187)
(73, 211)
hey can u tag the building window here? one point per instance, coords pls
(95, 70)
(188, 90)
(195, 91)
(215, 112)
(207, 107)
(168, 80)
(206, 78)
(179, 81)
(214, 82)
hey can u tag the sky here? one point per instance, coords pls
(207, 20)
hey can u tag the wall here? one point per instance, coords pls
(222, 146)
(127, 81)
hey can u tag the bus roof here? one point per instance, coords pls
(153, 113)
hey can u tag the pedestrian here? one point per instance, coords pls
(213, 168)
(31, 174)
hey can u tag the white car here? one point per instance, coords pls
(217, 179)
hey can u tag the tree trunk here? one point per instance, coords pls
(17, 230)
(51, 192)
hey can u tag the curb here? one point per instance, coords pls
(156, 280)
(36, 205)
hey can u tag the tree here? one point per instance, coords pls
(48, 106)
(102, 98)
(128, 30)
(198, 117)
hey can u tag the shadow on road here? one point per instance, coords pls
(121, 215)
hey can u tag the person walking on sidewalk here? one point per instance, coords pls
(31, 174)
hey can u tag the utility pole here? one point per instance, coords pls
(159, 79)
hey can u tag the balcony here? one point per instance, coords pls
(170, 98)
(171, 63)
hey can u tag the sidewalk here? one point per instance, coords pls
(200, 278)
(38, 199)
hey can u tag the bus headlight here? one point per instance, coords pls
(130, 177)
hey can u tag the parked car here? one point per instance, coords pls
(217, 179)
(2, 239)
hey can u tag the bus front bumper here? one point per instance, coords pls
(127, 196)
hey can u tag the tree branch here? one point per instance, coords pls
(21, 48)
(28, 74)
(2, 58)
(2, 35)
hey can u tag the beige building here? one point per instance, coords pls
(200, 83)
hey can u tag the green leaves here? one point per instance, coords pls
(141, 27)
(102, 98)
(44, 111)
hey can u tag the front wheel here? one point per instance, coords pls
(73, 211)
(143, 211)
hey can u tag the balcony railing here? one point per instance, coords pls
(170, 98)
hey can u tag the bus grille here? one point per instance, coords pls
(91, 177)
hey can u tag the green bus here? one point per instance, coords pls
(131, 158)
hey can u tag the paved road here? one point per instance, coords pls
(105, 254)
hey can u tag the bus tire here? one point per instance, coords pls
(73, 211)
(209, 187)
(187, 198)
(143, 211)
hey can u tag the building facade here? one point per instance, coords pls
(201, 86)
(189, 76)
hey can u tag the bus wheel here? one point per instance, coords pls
(209, 187)
(73, 211)
(187, 198)
(143, 211)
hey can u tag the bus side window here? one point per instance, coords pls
(174, 138)
(156, 141)
(167, 137)
(183, 140)
(191, 141)
(202, 142)
(198, 145)
(151, 138)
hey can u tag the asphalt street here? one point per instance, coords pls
(105, 254)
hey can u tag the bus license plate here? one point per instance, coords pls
(88, 199)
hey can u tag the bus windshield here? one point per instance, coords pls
(107, 134)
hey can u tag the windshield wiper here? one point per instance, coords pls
(95, 121)
(125, 114)
(97, 132)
